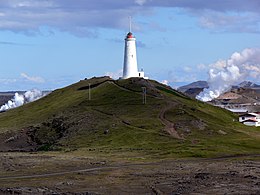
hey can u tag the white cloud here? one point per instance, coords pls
(225, 73)
(7, 81)
(115, 75)
(187, 69)
(230, 22)
(34, 79)
(165, 82)
(85, 17)
(201, 67)
(140, 2)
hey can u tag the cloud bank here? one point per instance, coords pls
(85, 17)
(225, 73)
(115, 75)
(20, 99)
(34, 79)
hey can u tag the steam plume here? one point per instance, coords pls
(225, 73)
(20, 99)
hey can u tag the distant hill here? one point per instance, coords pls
(193, 89)
(246, 84)
(245, 88)
(197, 84)
(244, 93)
(111, 116)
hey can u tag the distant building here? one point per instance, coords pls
(237, 110)
(250, 119)
(130, 58)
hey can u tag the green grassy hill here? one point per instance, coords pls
(115, 121)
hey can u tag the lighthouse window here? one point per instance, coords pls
(132, 56)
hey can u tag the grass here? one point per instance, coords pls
(115, 121)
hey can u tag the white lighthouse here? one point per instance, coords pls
(130, 58)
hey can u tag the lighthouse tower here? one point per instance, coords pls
(130, 59)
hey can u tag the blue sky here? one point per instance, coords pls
(48, 44)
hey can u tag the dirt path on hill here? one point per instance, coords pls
(169, 126)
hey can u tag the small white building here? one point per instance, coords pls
(250, 119)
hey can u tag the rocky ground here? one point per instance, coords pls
(53, 173)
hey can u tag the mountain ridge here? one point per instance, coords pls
(193, 89)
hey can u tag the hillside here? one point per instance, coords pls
(197, 84)
(115, 121)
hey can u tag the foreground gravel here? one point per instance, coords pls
(36, 174)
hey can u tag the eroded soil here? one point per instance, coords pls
(49, 173)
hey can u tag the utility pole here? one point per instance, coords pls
(144, 95)
(89, 92)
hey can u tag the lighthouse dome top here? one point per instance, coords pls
(129, 35)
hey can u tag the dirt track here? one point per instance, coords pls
(169, 126)
(37, 174)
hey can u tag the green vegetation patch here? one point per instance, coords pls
(115, 121)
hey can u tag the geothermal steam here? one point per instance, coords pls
(225, 73)
(20, 99)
